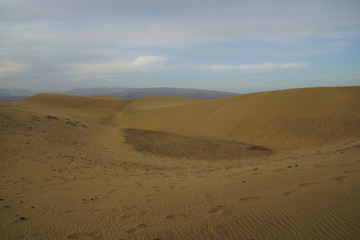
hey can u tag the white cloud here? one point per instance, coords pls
(147, 60)
(140, 64)
(267, 65)
(8, 68)
(237, 21)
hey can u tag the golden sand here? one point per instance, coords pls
(270, 165)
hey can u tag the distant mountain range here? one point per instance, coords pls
(130, 93)
(14, 94)
(127, 93)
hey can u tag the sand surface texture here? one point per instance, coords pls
(270, 165)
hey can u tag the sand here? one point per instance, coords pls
(270, 165)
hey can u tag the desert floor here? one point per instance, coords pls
(272, 165)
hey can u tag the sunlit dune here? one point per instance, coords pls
(290, 118)
(269, 165)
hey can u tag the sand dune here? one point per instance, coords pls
(270, 165)
(292, 118)
(97, 106)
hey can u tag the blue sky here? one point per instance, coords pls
(238, 46)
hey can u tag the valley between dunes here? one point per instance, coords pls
(269, 165)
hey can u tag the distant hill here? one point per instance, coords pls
(14, 94)
(131, 93)
(123, 92)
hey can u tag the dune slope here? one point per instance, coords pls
(291, 118)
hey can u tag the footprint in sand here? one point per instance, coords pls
(79, 236)
(137, 228)
(217, 209)
(112, 191)
(126, 216)
(352, 171)
(321, 166)
(67, 211)
(307, 184)
(345, 164)
(174, 216)
(290, 192)
(339, 178)
(36, 235)
(249, 198)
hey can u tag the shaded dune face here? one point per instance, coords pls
(181, 146)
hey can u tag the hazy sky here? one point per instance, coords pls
(238, 46)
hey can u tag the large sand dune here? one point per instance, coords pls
(270, 165)
(291, 118)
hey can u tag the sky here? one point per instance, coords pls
(228, 45)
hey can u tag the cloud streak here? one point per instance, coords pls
(262, 66)
(140, 64)
(8, 68)
(127, 24)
